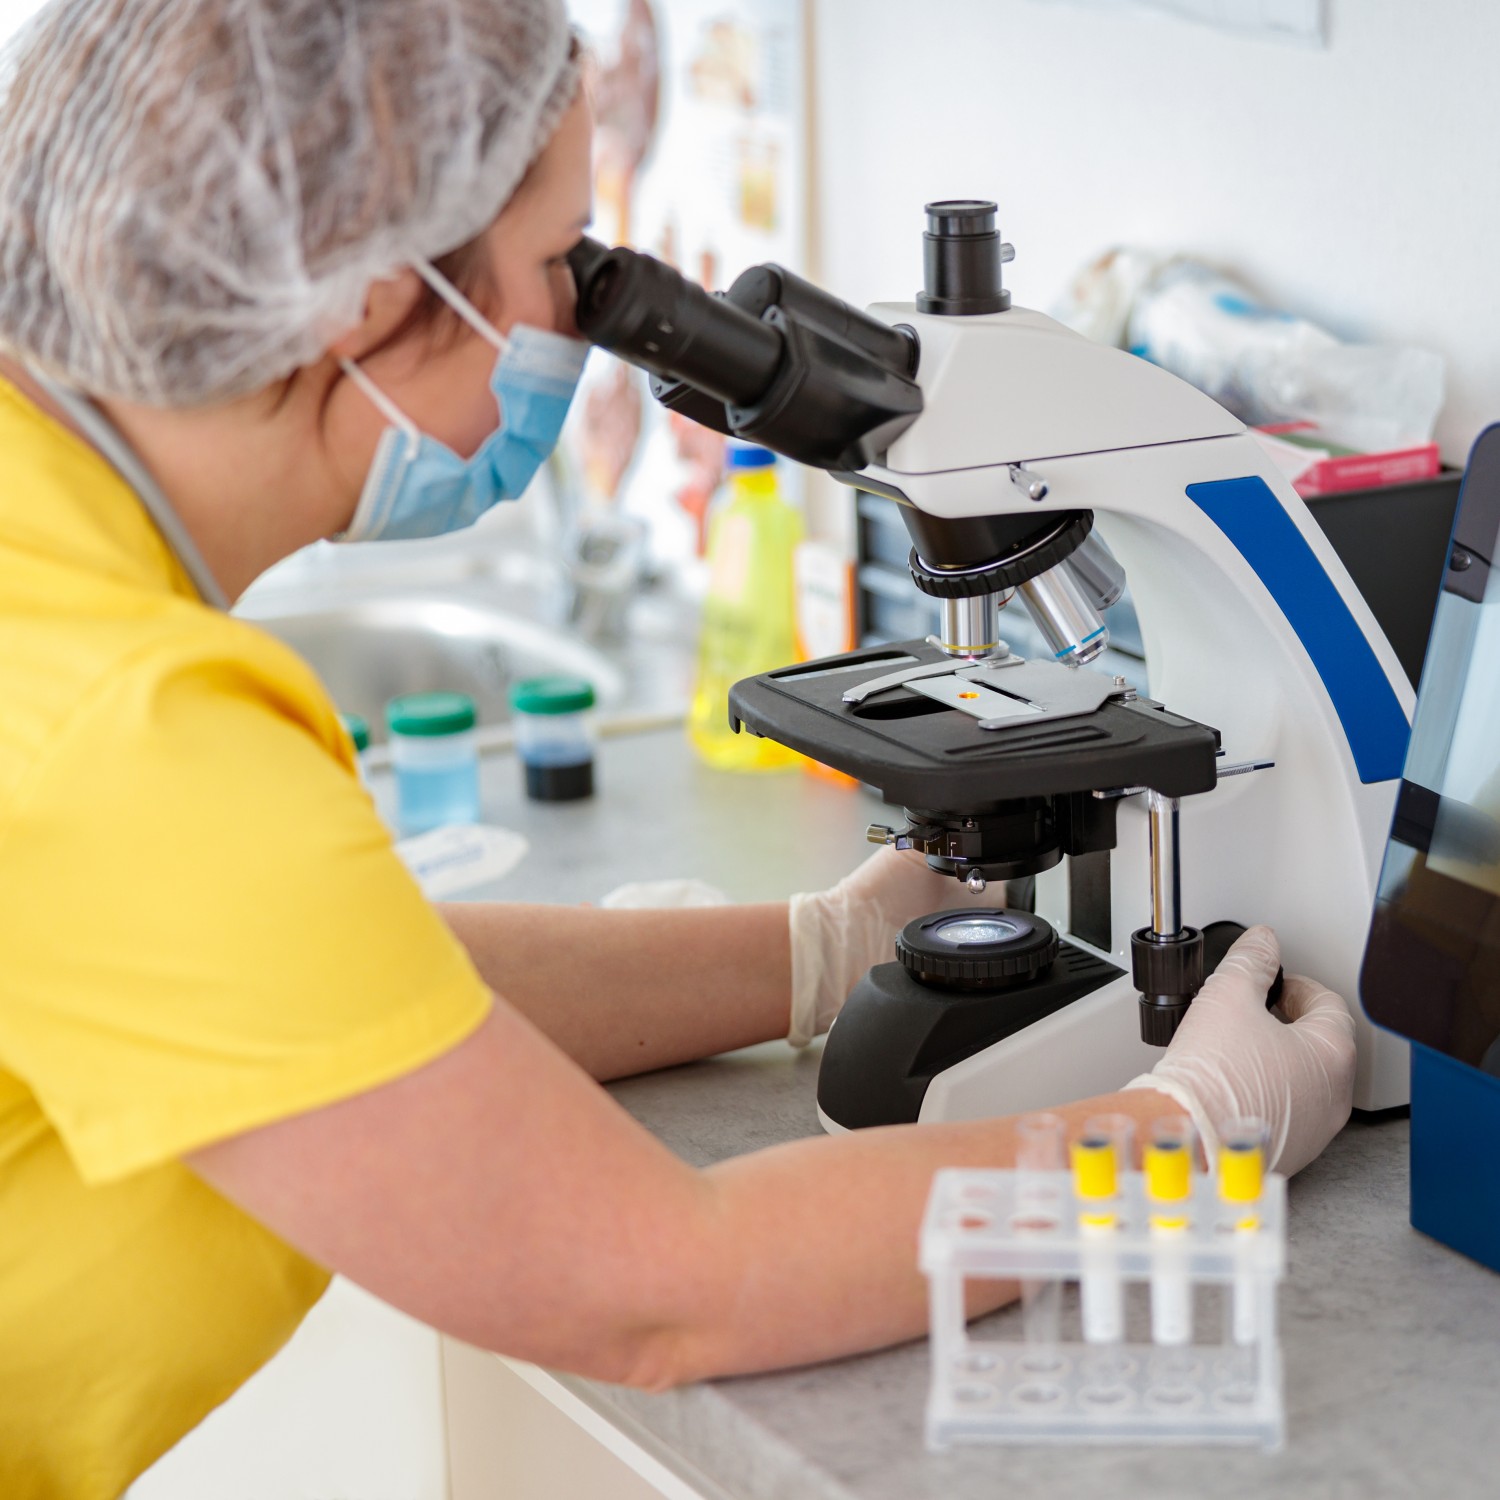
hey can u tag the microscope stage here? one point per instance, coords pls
(921, 751)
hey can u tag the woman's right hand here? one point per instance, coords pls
(840, 933)
(1234, 1059)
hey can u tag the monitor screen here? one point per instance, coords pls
(1432, 963)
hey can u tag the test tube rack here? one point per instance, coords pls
(1025, 1226)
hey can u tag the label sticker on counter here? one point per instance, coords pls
(449, 861)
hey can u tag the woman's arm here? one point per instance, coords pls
(500, 1195)
(624, 992)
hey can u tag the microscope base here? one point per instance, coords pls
(1089, 1046)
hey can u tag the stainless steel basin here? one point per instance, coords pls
(371, 649)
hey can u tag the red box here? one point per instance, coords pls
(1358, 471)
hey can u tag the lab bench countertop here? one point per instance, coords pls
(1391, 1342)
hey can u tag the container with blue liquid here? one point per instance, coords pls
(436, 760)
(555, 737)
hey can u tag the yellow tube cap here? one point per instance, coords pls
(1169, 1172)
(1096, 1173)
(1242, 1171)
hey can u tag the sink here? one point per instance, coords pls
(370, 649)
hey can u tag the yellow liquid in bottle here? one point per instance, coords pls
(749, 618)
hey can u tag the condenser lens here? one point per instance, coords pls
(976, 948)
(963, 931)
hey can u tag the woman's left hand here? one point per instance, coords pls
(839, 933)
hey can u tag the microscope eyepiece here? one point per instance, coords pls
(777, 360)
(961, 258)
(599, 289)
(640, 309)
(955, 218)
(583, 261)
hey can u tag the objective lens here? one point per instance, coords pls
(1067, 619)
(1100, 575)
(971, 627)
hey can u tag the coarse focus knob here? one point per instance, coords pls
(961, 258)
(1168, 971)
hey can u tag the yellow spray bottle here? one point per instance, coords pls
(749, 614)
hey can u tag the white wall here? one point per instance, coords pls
(1359, 185)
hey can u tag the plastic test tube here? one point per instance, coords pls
(1168, 1168)
(1242, 1173)
(1098, 1156)
(1041, 1156)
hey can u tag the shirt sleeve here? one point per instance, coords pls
(206, 925)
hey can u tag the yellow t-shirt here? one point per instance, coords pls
(203, 928)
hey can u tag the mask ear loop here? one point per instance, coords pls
(460, 304)
(384, 405)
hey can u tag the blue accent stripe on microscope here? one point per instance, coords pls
(1249, 514)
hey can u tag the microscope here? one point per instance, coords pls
(1136, 834)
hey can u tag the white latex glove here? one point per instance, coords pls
(1232, 1058)
(839, 933)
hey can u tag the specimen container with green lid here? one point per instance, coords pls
(435, 758)
(555, 736)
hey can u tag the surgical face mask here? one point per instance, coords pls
(419, 487)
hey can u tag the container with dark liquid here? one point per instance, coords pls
(555, 737)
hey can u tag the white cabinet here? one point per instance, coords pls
(365, 1403)
(350, 1409)
(516, 1432)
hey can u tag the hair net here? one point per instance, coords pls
(195, 195)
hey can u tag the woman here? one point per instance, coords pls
(273, 260)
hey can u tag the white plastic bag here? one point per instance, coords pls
(1264, 365)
